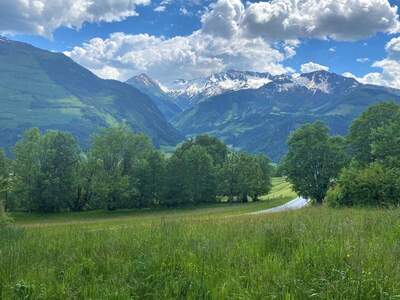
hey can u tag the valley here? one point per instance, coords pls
(215, 149)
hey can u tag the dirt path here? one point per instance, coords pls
(297, 203)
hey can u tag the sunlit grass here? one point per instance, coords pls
(204, 253)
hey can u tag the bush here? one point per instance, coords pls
(373, 185)
(5, 220)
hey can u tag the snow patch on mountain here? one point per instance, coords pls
(217, 84)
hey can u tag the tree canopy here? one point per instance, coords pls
(122, 169)
(314, 160)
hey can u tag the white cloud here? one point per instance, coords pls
(312, 67)
(121, 56)
(257, 36)
(42, 17)
(393, 48)
(343, 20)
(223, 17)
(389, 76)
(362, 60)
(208, 50)
(390, 68)
(160, 8)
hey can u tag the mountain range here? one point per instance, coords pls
(257, 112)
(251, 111)
(48, 90)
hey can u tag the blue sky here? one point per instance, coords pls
(349, 37)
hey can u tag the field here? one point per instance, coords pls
(216, 252)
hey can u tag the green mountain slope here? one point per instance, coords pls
(50, 91)
(261, 120)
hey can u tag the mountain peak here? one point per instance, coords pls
(231, 80)
(145, 80)
(328, 81)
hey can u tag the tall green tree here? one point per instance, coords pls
(262, 183)
(27, 170)
(86, 174)
(176, 192)
(118, 152)
(385, 147)
(314, 160)
(372, 179)
(214, 147)
(229, 177)
(191, 177)
(45, 170)
(58, 170)
(151, 174)
(361, 136)
(243, 176)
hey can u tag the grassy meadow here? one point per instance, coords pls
(208, 252)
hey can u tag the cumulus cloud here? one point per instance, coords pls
(312, 67)
(344, 20)
(223, 17)
(256, 36)
(121, 56)
(42, 17)
(389, 75)
(390, 68)
(393, 48)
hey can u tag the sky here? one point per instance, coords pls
(187, 39)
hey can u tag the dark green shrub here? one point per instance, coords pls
(373, 185)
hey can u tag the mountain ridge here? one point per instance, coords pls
(157, 93)
(260, 120)
(39, 88)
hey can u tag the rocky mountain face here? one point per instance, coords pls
(48, 90)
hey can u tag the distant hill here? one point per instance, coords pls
(164, 102)
(260, 120)
(50, 91)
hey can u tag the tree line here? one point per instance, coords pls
(361, 169)
(122, 169)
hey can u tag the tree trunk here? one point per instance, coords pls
(2, 209)
(319, 201)
(244, 198)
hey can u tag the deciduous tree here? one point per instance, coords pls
(314, 160)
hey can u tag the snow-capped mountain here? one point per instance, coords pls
(261, 119)
(194, 91)
(198, 89)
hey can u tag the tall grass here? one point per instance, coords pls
(316, 252)
(204, 253)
